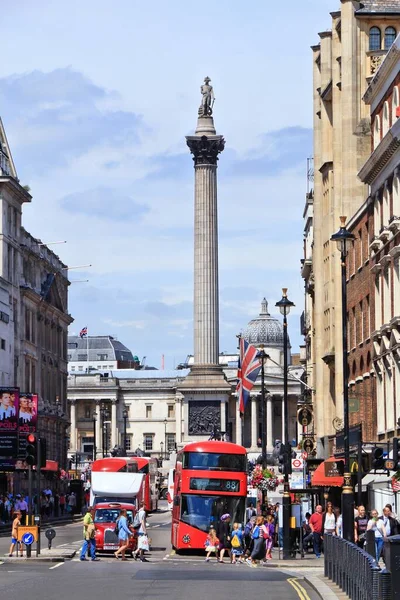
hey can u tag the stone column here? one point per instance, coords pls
(238, 424)
(99, 437)
(205, 150)
(223, 415)
(254, 421)
(113, 423)
(270, 440)
(283, 422)
(72, 435)
(178, 418)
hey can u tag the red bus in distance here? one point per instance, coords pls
(210, 480)
(134, 464)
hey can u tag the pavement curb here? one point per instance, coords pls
(320, 587)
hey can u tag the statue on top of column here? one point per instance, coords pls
(207, 100)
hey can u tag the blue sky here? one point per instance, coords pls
(97, 97)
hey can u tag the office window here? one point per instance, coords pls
(171, 411)
(148, 412)
(148, 441)
(374, 39)
(170, 439)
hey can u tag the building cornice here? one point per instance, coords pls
(381, 155)
(19, 192)
(316, 47)
(381, 76)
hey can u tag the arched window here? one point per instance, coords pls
(362, 365)
(396, 194)
(395, 103)
(368, 360)
(385, 125)
(374, 38)
(390, 36)
(377, 131)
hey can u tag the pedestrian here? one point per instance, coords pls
(250, 512)
(89, 536)
(258, 552)
(339, 522)
(329, 522)
(270, 527)
(307, 533)
(316, 524)
(62, 503)
(248, 542)
(236, 544)
(14, 534)
(389, 521)
(360, 526)
(224, 536)
(377, 526)
(72, 503)
(211, 544)
(143, 541)
(124, 533)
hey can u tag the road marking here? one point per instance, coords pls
(57, 565)
(154, 526)
(294, 582)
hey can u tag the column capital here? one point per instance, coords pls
(205, 149)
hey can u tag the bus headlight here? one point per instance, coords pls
(186, 539)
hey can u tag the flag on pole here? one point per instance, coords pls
(248, 369)
(83, 332)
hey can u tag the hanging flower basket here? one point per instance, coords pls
(396, 482)
(264, 479)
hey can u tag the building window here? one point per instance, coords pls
(171, 411)
(148, 441)
(374, 39)
(88, 411)
(72, 368)
(385, 127)
(102, 357)
(390, 36)
(170, 439)
(377, 131)
(128, 442)
(353, 318)
(80, 368)
(82, 356)
(2, 344)
(362, 322)
(395, 103)
(367, 318)
(148, 412)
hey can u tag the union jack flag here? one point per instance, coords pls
(83, 332)
(248, 369)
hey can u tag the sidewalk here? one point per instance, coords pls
(6, 528)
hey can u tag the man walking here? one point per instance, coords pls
(89, 536)
(316, 522)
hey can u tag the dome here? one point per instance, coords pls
(264, 330)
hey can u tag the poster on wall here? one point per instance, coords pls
(27, 419)
(9, 414)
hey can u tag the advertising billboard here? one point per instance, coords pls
(27, 419)
(9, 414)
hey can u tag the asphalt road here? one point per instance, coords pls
(164, 577)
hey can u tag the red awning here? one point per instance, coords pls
(51, 465)
(327, 474)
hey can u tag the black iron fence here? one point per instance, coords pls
(355, 571)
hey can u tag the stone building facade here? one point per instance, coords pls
(382, 173)
(34, 316)
(344, 61)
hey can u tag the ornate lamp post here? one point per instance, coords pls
(162, 450)
(284, 306)
(165, 436)
(343, 238)
(125, 417)
(262, 356)
(94, 417)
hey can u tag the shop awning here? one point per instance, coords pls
(327, 474)
(51, 465)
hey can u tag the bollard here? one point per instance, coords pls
(392, 560)
(370, 543)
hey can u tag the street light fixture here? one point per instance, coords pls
(165, 436)
(94, 417)
(284, 305)
(125, 417)
(262, 356)
(343, 238)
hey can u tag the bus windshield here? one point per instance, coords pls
(203, 512)
(208, 461)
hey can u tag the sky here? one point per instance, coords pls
(97, 98)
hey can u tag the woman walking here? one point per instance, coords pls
(270, 527)
(378, 527)
(257, 535)
(236, 544)
(329, 523)
(124, 533)
(224, 536)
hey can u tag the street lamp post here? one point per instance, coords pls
(284, 306)
(343, 238)
(162, 449)
(94, 417)
(262, 355)
(165, 437)
(125, 417)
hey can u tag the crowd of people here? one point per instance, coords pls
(51, 505)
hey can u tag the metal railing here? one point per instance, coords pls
(354, 570)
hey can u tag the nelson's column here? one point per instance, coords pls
(205, 391)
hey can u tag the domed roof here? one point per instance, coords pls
(264, 330)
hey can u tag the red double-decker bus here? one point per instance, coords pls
(134, 464)
(210, 480)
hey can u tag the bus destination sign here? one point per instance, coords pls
(214, 485)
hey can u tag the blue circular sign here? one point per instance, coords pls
(28, 539)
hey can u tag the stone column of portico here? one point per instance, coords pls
(72, 433)
(270, 440)
(113, 423)
(254, 421)
(99, 437)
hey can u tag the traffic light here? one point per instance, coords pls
(31, 449)
(396, 454)
(285, 459)
(378, 462)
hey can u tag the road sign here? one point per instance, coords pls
(308, 445)
(297, 464)
(28, 539)
(297, 481)
(389, 465)
(304, 455)
(32, 530)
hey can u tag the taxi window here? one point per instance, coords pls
(108, 515)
